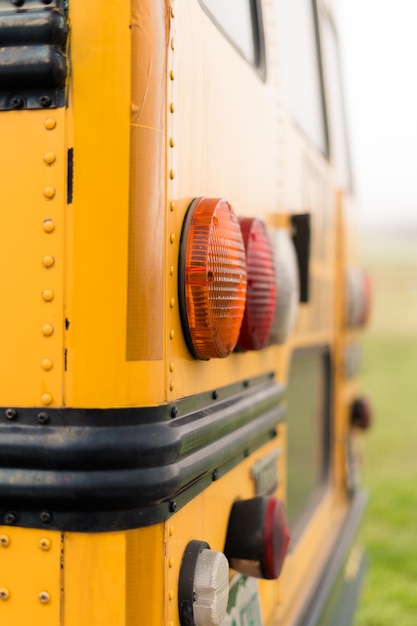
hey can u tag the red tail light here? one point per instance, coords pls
(257, 537)
(361, 414)
(261, 289)
(212, 278)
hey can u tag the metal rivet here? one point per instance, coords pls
(172, 75)
(44, 597)
(171, 366)
(50, 123)
(172, 107)
(47, 364)
(214, 395)
(171, 385)
(49, 158)
(171, 559)
(215, 475)
(10, 519)
(45, 517)
(172, 303)
(48, 261)
(4, 593)
(172, 237)
(47, 330)
(48, 295)
(171, 530)
(171, 270)
(48, 226)
(45, 544)
(172, 205)
(174, 412)
(173, 44)
(170, 595)
(46, 398)
(43, 417)
(4, 540)
(49, 192)
(171, 333)
(11, 414)
(172, 142)
(171, 174)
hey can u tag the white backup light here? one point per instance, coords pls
(203, 586)
(211, 587)
(287, 282)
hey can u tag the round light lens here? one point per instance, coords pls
(261, 289)
(288, 285)
(212, 278)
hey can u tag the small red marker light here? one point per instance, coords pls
(261, 289)
(361, 414)
(257, 537)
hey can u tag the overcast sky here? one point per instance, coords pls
(379, 56)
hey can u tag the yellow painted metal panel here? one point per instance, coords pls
(33, 165)
(30, 577)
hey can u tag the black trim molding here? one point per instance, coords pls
(93, 470)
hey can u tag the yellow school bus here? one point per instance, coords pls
(180, 316)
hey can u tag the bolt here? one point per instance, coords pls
(174, 411)
(173, 506)
(45, 544)
(10, 519)
(45, 101)
(45, 517)
(17, 102)
(4, 593)
(43, 417)
(4, 540)
(215, 475)
(214, 395)
(44, 597)
(11, 414)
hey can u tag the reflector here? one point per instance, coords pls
(212, 278)
(261, 289)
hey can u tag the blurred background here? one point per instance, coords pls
(379, 59)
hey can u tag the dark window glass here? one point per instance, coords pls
(308, 431)
(237, 19)
(300, 68)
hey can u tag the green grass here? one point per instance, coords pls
(390, 449)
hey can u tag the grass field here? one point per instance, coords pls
(390, 449)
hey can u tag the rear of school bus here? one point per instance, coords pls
(180, 316)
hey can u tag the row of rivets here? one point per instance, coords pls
(43, 597)
(44, 543)
(172, 175)
(48, 261)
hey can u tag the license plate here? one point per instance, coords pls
(243, 608)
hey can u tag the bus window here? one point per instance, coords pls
(339, 148)
(238, 20)
(300, 67)
(308, 432)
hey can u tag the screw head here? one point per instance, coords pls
(45, 544)
(11, 414)
(44, 597)
(174, 412)
(45, 517)
(17, 102)
(4, 593)
(10, 519)
(173, 506)
(4, 540)
(45, 101)
(43, 417)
